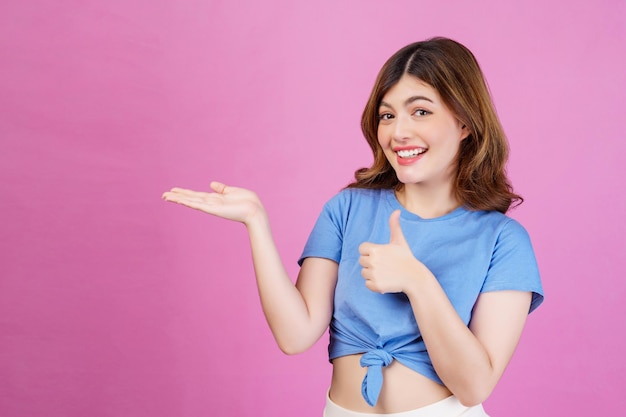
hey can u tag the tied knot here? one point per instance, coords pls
(376, 357)
(374, 360)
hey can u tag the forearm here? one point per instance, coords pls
(458, 357)
(295, 325)
(283, 305)
(469, 360)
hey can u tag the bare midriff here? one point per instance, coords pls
(403, 389)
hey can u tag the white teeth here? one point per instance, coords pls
(411, 153)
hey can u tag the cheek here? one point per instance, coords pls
(446, 136)
(382, 137)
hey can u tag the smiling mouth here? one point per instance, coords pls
(410, 153)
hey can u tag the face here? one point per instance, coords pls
(419, 134)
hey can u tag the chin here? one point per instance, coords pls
(408, 179)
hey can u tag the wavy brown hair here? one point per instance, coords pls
(451, 69)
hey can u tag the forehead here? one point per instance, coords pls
(410, 86)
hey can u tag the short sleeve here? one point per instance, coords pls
(326, 238)
(513, 264)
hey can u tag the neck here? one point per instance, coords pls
(427, 202)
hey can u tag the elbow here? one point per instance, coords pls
(291, 347)
(290, 350)
(292, 342)
(475, 395)
(471, 401)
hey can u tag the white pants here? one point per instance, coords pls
(448, 407)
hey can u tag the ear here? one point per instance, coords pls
(465, 132)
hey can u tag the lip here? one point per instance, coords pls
(408, 161)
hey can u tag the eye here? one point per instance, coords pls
(421, 112)
(385, 116)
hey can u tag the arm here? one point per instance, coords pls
(469, 361)
(297, 315)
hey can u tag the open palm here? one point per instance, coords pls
(227, 202)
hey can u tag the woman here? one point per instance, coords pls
(424, 281)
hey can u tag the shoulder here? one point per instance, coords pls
(350, 197)
(505, 236)
(510, 230)
(513, 263)
(362, 193)
(500, 224)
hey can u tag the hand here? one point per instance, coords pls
(390, 267)
(230, 203)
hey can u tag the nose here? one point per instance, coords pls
(401, 128)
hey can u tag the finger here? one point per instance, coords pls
(366, 274)
(396, 234)
(170, 196)
(218, 187)
(197, 205)
(365, 261)
(366, 248)
(371, 285)
(182, 199)
(185, 192)
(177, 193)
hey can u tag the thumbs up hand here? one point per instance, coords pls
(390, 267)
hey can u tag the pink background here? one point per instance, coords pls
(114, 303)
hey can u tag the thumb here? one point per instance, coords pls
(396, 235)
(218, 187)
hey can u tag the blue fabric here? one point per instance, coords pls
(469, 252)
(374, 360)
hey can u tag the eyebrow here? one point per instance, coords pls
(408, 101)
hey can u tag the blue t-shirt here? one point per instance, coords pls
(469, 252)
